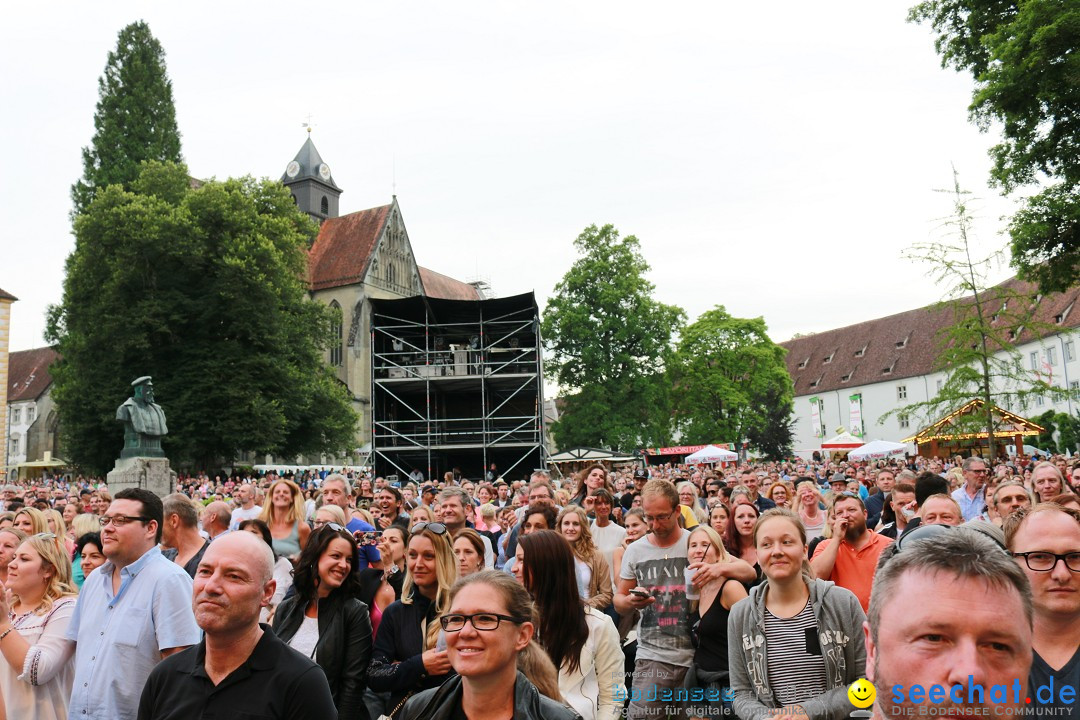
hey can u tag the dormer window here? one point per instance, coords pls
(901, 343)
(828, 360)
(861, 351)
(802, 365)
(845, 378)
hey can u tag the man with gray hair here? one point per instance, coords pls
(216, 518)
(336, 490)
(949, 627)
(180, 536)
(241, 668)
(452, 504)
(971, 496)
(248, 510)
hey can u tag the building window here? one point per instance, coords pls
(904, 421)
(1039, 400)
(29, 414)
(1051, 356)
(1034, 356)
(901, 392)
(324, 206)
(1070, 351)
(940, 384)
(336, 353)
(14, 446)
(1074, 385)
(16, 415)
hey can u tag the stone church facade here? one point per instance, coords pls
(355, 258)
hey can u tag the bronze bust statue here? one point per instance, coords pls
(144, 422)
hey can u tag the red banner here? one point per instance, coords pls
(684, 449)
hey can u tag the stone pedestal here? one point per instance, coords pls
(150, 473)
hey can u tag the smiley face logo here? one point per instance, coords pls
(862, 693)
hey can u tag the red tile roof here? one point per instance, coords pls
(7, 296)
(905, 344)
(342, 251)
(28, 373)
(437, 285)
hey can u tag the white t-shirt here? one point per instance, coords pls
(306, 637)
(239, 515)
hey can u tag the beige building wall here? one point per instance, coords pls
(5, 332)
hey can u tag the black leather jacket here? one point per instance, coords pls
(440, 703)
(343, 650)
(397, 663)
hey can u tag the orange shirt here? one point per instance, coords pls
(854, 569)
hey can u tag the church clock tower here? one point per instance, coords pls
(311, 184)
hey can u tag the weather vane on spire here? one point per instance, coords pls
(308, 124)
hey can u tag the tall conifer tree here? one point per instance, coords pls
(135, 118)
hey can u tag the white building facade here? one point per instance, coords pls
(853, 377)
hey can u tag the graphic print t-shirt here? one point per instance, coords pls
(664, 628)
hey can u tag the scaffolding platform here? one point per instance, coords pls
(457, 384)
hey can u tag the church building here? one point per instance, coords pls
(356, 258)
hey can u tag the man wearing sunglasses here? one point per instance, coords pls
(971, 496)
(1045, 541)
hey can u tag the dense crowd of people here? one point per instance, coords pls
(759, 590)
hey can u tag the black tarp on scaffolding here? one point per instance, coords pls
(456, 384)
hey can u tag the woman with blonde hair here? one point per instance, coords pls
(408, 656)
(37, 671)
(329, 514)
(284, 515)
(58, 527)
(591, 569)
(808, 507)
(31, 521)
(690, 497)
(10, 540)
(421, 514)
(709, 628)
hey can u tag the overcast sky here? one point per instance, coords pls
(775, 158)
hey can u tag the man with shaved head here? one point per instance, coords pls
(240, 669)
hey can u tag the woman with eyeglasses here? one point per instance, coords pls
(408, 656)
(581, 641)
(284, 514)
(489, 630)
(325, 621)
(38, 671)
(796, 644)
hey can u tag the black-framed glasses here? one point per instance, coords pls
(435, 527)
(455, 622)
(121, 520)
(664, 516)
(1043, 561)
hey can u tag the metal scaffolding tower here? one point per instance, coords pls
(457, 384)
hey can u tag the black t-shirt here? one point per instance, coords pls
(627, 499)
(274, 682)
(1043, 677)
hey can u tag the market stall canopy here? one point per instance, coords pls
(843, 441)
(711, 454)
(879, 450)
(959, 425)
(585, 454)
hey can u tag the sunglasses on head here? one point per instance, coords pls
(435, 527)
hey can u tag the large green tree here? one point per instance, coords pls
(203, 289)
(135, 120)
(1023, 57)
(732, 383)
(610, 344)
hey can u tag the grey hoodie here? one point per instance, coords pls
(839, 620)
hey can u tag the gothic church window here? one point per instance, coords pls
(336, 354)
(324, 206)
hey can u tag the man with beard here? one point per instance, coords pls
(962, 648)
(849, 557)
(1045, 542)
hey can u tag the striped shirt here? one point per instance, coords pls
(796, 665)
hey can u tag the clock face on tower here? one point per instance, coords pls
(324, 171)
(292, 169)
